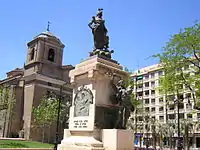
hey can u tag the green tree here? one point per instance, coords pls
(133, 119)
(181, 53)
(189, 127)
(46, 113)
(180, 60)
(7, 103)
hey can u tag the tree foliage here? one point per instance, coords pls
(7, 97)
(130, 83)
(46, 113)
(181, 62)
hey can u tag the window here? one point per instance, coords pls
(147, 118)
(32, 53)
(146, 101)
(153, 117)
(152, 92)
(198, 115)
(152, 83)
(147, 127)
(139, 93)
(146, 76)
(146, 93)
(160, 73)
(161, 118)
(161, 109)
(181, 115)
(153, 109)
(171, 116)
(171, 107)
(152, 75)
(189, 116)
(181, 106)
(153, 101)
(139, 118)
(160, 81)
(189, 106)
(146, 84)
(147, 109)
(171, 98)
(180, 97)
(161, 100)
(51, 55)
(49, 84)
(188, 95)
(139, 86)
(153, 127)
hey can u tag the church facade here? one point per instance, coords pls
(43, 72)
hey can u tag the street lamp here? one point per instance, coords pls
(179, 144)
(58, 115)
(139, 78)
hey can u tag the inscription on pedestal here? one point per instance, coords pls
(80, 124)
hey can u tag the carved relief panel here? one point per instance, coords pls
(82, 101)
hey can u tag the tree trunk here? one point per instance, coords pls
(170, 142)
(49, 134)
(154, 140)
(193, 141)
(43, 132)
(161, 141)
(186, 143)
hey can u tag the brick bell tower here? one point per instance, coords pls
(43, 71)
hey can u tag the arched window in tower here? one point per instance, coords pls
(32, 53)
(51, 55)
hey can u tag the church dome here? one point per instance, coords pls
(48, 35)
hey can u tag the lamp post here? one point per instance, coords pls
(179, 144)
(58, 115)
(139, 78)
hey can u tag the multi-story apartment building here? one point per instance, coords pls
(154, 105)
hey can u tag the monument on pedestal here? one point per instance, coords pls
(101, 103)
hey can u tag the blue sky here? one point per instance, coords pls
(137, 28)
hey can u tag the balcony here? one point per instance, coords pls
(153, 87)
(146, 104)
(146, 88)
(161, 109)
(146, 96)
(146, 79)
(138, 89)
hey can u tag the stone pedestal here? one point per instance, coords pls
(114, 139)
(81, 141)
(92, 91)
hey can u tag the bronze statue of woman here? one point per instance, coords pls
(97, 24)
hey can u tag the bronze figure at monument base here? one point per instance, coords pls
(105, 53)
